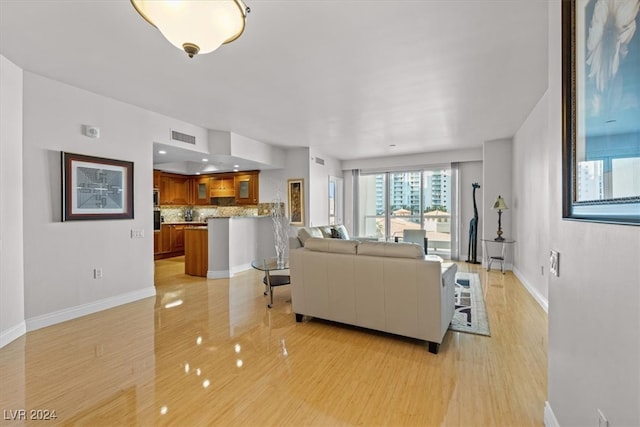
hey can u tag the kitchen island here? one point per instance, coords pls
(196, 251)
(233, 242)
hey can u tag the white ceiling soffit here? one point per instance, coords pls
(348, 78)
(170, 158)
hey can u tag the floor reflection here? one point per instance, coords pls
(210, 352)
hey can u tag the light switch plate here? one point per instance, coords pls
(137, 234)
(554, 263)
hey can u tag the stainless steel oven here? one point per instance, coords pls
(156, 198)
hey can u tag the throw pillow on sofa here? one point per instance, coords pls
(335, 234)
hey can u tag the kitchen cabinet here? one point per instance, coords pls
(170, 241)
(200, 190)
(166, 196)
(156, 242)
(222, 186)
(165, 238)
(246, 188)
(175, 189)
(156, 178)
(177, 238)
(181, 190)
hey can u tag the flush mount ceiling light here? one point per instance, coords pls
(197, 26)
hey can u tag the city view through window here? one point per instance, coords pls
(392, 202)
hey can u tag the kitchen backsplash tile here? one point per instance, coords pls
(200, 213)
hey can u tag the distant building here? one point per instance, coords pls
(406, 188)
(438, 190)
(590, 180)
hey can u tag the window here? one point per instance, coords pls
(391, 202)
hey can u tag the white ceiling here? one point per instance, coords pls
(350, 78)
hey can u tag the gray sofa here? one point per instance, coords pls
(384, 286)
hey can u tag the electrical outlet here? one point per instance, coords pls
(602, 420)
(554, 263)
(137, 234)
(97, 273)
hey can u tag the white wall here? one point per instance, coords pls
(60, 256)
(319, 186)
(497, 179)
(594, 306)
(256, 151)
(273, 183)
(415, 160)
(529, 206)
(159, 130)
(12, 319)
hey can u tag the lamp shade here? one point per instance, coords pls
(197, 26)
(500, 204)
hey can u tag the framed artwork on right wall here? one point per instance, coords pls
(601, 111)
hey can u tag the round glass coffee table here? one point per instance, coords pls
(272, 280)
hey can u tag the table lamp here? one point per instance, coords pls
(500, 205)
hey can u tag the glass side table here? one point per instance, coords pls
(496, 245)
(271, 280)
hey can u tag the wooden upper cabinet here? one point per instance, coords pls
(200, 190)
(175, 189)
(156, 179)
(222, 186)
(166, 190)
(181, 190)
(246, 186)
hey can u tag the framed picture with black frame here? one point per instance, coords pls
(601, 111)
(95, 188)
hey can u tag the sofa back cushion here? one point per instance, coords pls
(390, 249)
(337, 246)
(306, 233)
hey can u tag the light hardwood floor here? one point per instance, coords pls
(209, 352)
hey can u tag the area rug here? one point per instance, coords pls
(470, 315)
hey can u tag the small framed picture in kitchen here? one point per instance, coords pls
(95, 188)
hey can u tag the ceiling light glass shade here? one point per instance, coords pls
(197, 26)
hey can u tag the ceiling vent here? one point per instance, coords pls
(320, 161)
(182, 137)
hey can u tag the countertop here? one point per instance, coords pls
(239, 216)
(194, 223)
(204, 223)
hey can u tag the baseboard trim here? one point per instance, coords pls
(218, 274)
(544, 303)
(90, 308)
(239, 269)
(13, 333)
(550, 419)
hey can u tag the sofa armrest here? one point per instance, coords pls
(294, 243)
(449, 274)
